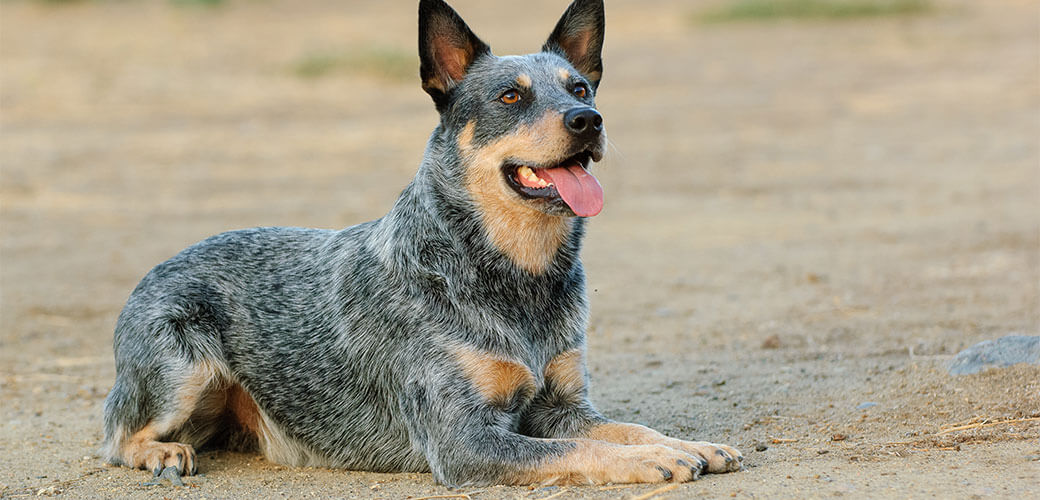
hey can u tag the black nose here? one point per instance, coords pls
(583, 122)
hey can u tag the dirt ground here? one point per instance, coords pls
(802, 218)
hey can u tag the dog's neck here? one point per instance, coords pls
(528, 238)
(479, 232)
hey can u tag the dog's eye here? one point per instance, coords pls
(510, 97)
(581, 90)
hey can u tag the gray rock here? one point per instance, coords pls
(173, 475)
(1005, 351)
(866, 404)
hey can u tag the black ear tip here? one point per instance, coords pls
(588, 4)
(428, 7)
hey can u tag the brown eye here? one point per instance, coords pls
(580, 90)
(510, 97)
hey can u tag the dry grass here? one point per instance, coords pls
(769, 10)
(380, 62)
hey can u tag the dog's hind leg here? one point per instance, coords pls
(149, 430)
(170, 392)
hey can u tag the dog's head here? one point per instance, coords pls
(525, 127)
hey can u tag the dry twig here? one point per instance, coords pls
(464, 496)
(617, 487)
(554, 495)
(656, 492)
(979, 425)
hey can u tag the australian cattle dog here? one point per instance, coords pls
(447, 336)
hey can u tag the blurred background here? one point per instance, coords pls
(806, 200)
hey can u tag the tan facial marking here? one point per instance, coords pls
(466, 136)
(564, 74)
(498, 380)
(524, 80)
(529, 237)
(566, 373)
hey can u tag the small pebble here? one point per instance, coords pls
(761, 447)
(49, 491)
(170, 474)
(771, 342)
(866, 404)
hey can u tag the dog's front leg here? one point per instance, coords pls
(562, 410)
(464, 422)
(719, 457)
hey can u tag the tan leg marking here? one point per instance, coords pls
(598, 462)
(244, 409)
(719, 457)
(529, 237)
(143, 451)
(566, 373)
(499, 380)
(205, 377)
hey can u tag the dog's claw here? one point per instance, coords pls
(665, 472)
(695, 470)
(724, 455)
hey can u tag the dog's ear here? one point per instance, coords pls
(579, 38)
(447, 47)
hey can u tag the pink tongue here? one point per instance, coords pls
(577, 187)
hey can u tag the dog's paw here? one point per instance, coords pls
(156, 457)
(656, 463)
(599, 462)
(719, 457)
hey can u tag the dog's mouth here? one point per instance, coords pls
(568, 182)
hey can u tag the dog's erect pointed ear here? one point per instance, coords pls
(447, 47)
(579, 38)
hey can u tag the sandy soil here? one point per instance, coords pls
(802, 217)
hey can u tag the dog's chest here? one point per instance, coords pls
(510, 385)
